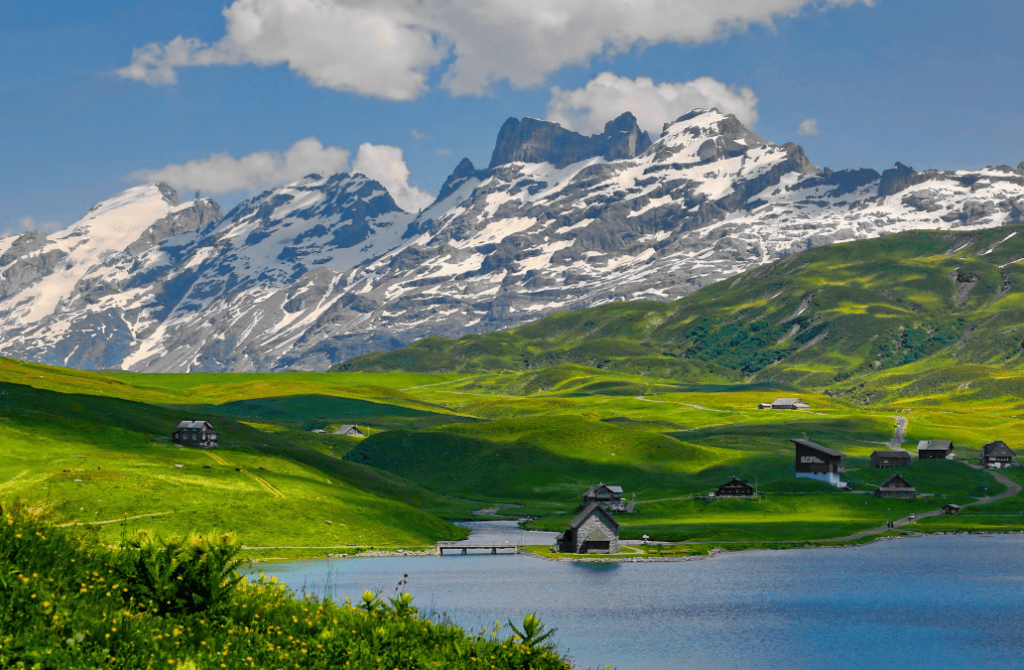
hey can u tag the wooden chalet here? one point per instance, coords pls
(950, 508)
(195, 434)
(896, 487)
(890, 459)
(997, 455)
(350, 430)
(934, 450)
(817, 462)
(785, 403)
(603, 494)
(735, 487)
(592, 531)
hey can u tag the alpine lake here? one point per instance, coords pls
(938, 601)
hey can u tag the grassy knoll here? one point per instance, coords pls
(118, 451)
(66, 602)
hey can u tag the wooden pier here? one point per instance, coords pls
(462, 548)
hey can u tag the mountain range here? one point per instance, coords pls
(312, 273)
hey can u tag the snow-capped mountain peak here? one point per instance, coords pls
(308, 274)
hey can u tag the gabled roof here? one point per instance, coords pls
(592, 508)
(194, 424)
(787, 401)
(889, 454)
(935, 445)
(347, 428)
(896, 482)
(735, 480)
(997, 448)
(593, 489)
(817, 447)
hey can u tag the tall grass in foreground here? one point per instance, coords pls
(68, 602)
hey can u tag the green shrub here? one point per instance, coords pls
(67, 602)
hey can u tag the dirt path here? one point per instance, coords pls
(1012, 489)
(103, 523)
(216, 457)
(262, 482)
(898, 435)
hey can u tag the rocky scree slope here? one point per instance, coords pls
(310, 274)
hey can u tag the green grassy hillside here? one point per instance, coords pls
(944, 308)
(100, 461)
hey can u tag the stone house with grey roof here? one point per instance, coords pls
(592, 531)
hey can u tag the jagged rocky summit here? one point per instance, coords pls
(309, 274)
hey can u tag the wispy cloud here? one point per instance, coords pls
(385, 164)
(221, 173)
(606, 96)
(28, 223)
(808, 127)
(385, 48)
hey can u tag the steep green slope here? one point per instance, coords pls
(100, 461)
(813, 320)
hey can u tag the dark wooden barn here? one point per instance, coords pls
(195, 434)
(603, 494)
(735, 487)
(934, 450)
(997, 455)
(817, 462)
(890, 459)
(592, 531)
(950, 508)
(896, 487)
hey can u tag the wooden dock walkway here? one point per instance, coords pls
(463, 547)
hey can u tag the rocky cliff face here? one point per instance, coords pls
(534, 141)
(309, 274)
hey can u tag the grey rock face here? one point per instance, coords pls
(309, 274)
(535, 141)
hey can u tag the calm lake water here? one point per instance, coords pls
(934, 602)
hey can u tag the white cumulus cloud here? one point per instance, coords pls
(606, 96)
(385, 164)
(808, 127)
(386, 48)
(221, 173)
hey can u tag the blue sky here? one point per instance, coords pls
(233, 98)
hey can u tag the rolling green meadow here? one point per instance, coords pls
(98, 505)
(660, 398)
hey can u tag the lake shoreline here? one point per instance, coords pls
(596, 558)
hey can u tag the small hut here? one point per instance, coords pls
(735, 487)
(195, 434)
(350, 430)
(890, 459)
(592, 531)
(997, 455)
(950, 508)
(934, 450)
(896, 487)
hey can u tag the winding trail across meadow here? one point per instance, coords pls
(1012, 489)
